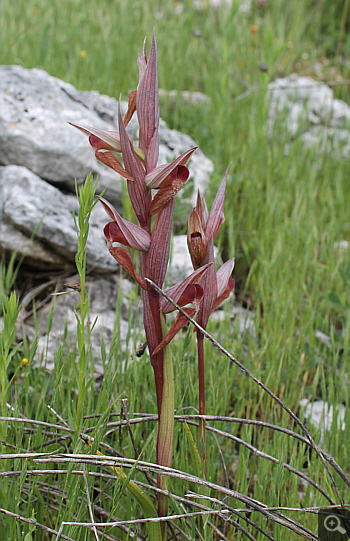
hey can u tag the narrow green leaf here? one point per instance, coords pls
(196, 459)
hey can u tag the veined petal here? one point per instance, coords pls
(163, 174)
(179, 323)
(133, 235)
(112, 161)
(196, 239)
(124, 259)
(147, 106)
(230, 286)
(106, 140)
(177, 291)
(165, 195)
(216, 217)
(153, 151)
(223, 275)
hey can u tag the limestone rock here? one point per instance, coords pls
(103, 294)
(35, 109)
(26, 202)
(321, 414)
(309, 109)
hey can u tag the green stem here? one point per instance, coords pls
(165, 443)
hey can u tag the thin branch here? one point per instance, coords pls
(58, 416)
(258, 382)
(35, 422)
(126, 415)
(255, 505)
(89, 504)
(34, 523)
(261, 454)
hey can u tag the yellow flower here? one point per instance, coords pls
(83, 53)
(24, 361)
(253, 29)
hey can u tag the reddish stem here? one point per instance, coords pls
(201, 378)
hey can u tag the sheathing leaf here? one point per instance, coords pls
(139, 195)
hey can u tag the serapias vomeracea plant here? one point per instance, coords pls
(151, 238)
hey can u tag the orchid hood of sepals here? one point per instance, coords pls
(203, 226)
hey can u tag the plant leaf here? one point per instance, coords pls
(196, 459)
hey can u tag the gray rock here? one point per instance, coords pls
(26, 201)
(180, 265)
(321, 414)
(103, 294)
(35, 109)
(309, 108)
(186, 97)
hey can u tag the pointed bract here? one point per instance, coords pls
(142, 62)
(223, 275)
(216, 217)
(147, 106)
(229, 288)
(158, 255)
(209, 285)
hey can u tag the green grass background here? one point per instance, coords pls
(285, 215)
